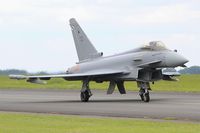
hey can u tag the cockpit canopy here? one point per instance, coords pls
(154, 45)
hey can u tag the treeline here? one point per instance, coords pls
(189, 70)
(13, 71)
(19, 72)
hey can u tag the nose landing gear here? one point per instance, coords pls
(144, 91)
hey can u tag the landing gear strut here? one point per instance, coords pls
(85, 91)
(144, 91)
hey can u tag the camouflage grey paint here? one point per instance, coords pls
(85, 49)
(132, 63)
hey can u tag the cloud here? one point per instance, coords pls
(35, 27)
(35, 11)
(164, 15)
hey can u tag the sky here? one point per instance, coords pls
(35, 34)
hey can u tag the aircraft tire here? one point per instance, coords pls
(141, 94)
(85, 96)
(142, 97)
(146, 97)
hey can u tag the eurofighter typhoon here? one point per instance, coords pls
(143, 65)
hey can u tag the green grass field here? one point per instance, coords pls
(187, 83)
(43, 123)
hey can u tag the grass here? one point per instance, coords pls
(187, 83)
(40, 123)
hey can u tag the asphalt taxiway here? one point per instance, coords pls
(163, 105)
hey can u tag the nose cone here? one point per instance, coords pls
(173, 59)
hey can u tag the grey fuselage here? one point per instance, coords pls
(141, 64)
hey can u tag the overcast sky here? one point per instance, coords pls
(35, 34)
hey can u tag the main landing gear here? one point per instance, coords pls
(85, 91)
(144, 91)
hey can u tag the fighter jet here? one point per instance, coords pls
(143, 65)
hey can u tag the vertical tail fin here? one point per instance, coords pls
(84, 47)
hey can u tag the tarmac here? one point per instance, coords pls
(163, 105)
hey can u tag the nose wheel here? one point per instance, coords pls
(145, 97)
(144, 91)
